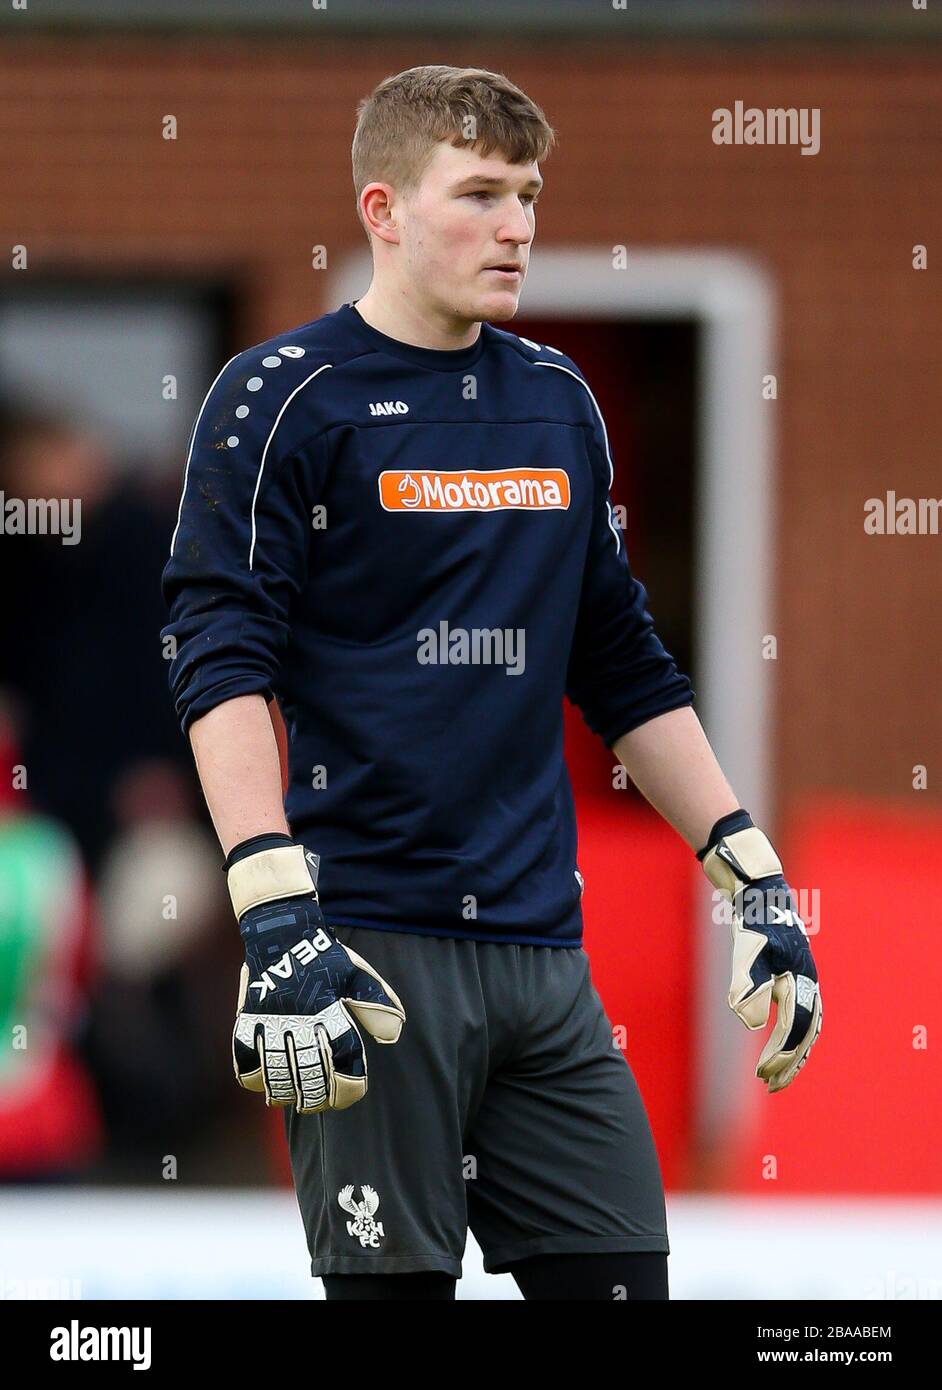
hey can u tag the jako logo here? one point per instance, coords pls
(388, 408)
(428, 490)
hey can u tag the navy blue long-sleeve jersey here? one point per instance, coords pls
(414, 551)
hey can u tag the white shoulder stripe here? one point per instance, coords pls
(261, 466)
(557, 366)
(189, 454)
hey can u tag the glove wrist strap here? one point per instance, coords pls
(269, 839)
(726, 825)
(269, 874)
(742, 857)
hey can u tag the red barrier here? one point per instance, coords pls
(862, 1117)
(638, 908)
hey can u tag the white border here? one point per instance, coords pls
(732, 299)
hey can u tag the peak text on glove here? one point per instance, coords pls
(306, 951)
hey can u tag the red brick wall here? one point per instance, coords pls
(260, 172)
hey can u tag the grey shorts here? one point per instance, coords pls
(504, 1106)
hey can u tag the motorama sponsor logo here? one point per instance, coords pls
(469, 490)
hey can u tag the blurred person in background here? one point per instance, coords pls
(78, 644)
(156, 1020)
(50, 1122)
(105, 761)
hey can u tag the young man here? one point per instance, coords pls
(396, 519)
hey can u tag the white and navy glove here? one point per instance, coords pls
(302, 993)
(771, 955)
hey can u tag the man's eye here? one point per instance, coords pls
(530, 198)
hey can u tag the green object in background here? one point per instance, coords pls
(38, 869)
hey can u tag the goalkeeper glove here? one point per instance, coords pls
(302, 992)
(771, 953)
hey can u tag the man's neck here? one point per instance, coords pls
(419, 328)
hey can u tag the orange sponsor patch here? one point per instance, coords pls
(503, 489)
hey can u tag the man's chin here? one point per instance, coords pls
(498, 306)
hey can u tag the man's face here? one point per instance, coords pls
(468, 216)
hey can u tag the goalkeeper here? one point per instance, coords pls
(396, 519)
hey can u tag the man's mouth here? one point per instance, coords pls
(510, 270)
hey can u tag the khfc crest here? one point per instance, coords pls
(363, 1227)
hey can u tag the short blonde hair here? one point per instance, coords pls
(402, 120)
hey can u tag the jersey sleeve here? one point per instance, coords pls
(239, 553)
(619, 673)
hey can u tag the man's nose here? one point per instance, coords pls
(517, 227)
